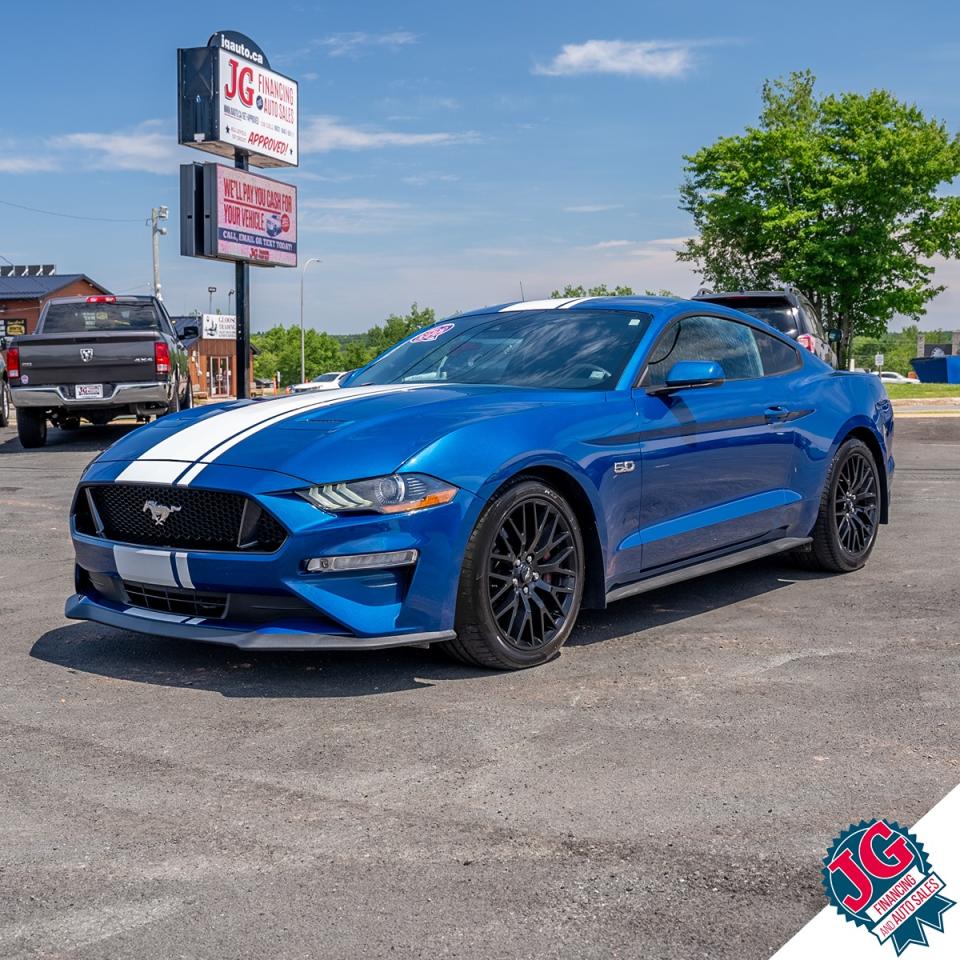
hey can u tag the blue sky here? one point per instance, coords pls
(448, 152)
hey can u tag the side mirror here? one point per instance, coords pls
(834, 335)
(190, 332)
(693, 373)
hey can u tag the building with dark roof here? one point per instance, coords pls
(22, 298)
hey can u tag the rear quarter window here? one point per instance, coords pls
(775, 355)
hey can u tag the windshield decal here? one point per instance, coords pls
(432, 333)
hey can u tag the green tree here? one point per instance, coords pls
(838, 195)
(280, 346)
(599, 291)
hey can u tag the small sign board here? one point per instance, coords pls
(13, 328)
(878, 360)
(218, 326)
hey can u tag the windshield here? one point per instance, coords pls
(551, 349)
(83, 317)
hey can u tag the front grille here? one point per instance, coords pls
(189, 518)
(189, 603)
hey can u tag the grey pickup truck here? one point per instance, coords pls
(97, 358)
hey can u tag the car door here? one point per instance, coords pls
(718, 461)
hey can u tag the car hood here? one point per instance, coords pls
(328, 436)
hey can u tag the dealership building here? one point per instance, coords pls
(213, 354)
(22, 297)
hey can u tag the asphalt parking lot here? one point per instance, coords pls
(666, 788)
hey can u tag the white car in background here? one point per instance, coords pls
(326, 381)
(891, 376)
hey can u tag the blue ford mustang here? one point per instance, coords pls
(481, 482)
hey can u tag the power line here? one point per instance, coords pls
(73, 216)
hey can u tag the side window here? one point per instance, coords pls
(730, 343)
(816, 327)
(775, 355)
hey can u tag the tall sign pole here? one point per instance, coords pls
(242, 287)
(233, 105)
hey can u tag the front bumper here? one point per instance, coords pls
(81, 607)
(122, 395)
(270, 600)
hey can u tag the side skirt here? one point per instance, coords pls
(708, 566)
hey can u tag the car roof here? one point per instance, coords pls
(661, 306)
(634, 302)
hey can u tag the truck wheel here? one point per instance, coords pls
(187, 403)
(32, 428)
(4, 404)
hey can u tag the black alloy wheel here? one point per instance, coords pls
(522, 579)
(849, 515)
(857, 503)
(530, 577)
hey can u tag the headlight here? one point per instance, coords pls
(394, 494)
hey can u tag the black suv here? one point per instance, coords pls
(788, 310)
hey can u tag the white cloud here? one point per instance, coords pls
(362, 216)
(351, 203)
(610, 244)
(150, 147)
(423, 179)
(642, 58)
(323, 134)
(25, 163)
(592, 207)
(350, 44)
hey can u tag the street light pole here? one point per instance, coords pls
(156, 232)
(211, 291)
(303, 353)
(230, 294)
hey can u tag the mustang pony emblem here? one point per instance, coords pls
(159, 511)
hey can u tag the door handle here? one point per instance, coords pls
(776, 414)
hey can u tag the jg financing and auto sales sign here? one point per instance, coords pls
(258, 108)
(230, 102)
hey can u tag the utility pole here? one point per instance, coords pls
(303, 352)
(211, 291)
(156, 232)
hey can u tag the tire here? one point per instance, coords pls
(187, 402)
(849, 516)
(4, 404)
(31, 428)
(173, 406)
(500, 587)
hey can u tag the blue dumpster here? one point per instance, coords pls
(937, 369)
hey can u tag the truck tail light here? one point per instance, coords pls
(806, 341)
(101, 299)
(161, 356)
(13, 362)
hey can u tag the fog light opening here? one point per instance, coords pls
(362, 561)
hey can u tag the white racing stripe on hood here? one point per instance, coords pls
(201, 443)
